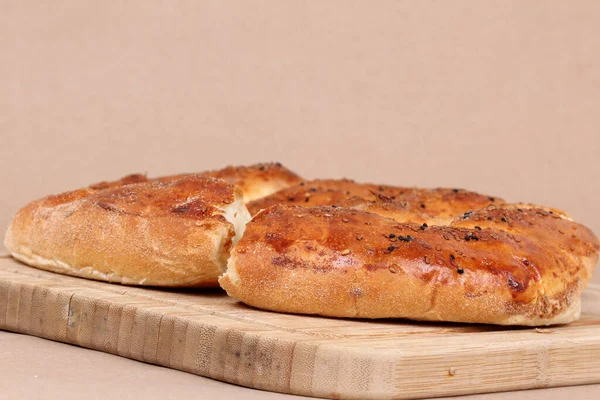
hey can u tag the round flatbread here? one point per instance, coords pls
(508, 265)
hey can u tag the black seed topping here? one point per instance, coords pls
(512, 283)
(391, 235)
(422, 205)
(489, 218)
(477, 227)
(423, 227)
(460, 270)
(391, 248)
(503, 219)
(455, 190)
(312, 189)
(452, 257)
(519, 209)
(470, 237)
(467, 215)
(406, 238)
(491, 198)
(306, 199)
(290, 199)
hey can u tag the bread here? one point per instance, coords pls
(95, 233)
(257, 180)
(175, 232)
(434, 206)
(507, 265)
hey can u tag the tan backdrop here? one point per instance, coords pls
(501, 97)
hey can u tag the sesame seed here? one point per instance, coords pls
(345, 252)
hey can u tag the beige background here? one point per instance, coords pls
(501, 97)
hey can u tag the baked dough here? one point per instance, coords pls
(167, 231)
(507, 265)
(434, 206)
(175, 232)
(256, 180)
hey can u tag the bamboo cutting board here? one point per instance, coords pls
(209, 334)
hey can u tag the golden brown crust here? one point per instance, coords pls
(165, 231)
(522, 266)
(172, 233)
(256, 180)
(401, 203)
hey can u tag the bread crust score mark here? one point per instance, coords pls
(463, 257)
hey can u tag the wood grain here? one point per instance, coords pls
(210, 334)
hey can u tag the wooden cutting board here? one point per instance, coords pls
(210, 334)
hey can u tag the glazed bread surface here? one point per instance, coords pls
(401, 203)
(507, 265)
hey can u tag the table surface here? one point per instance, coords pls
(34, 368)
